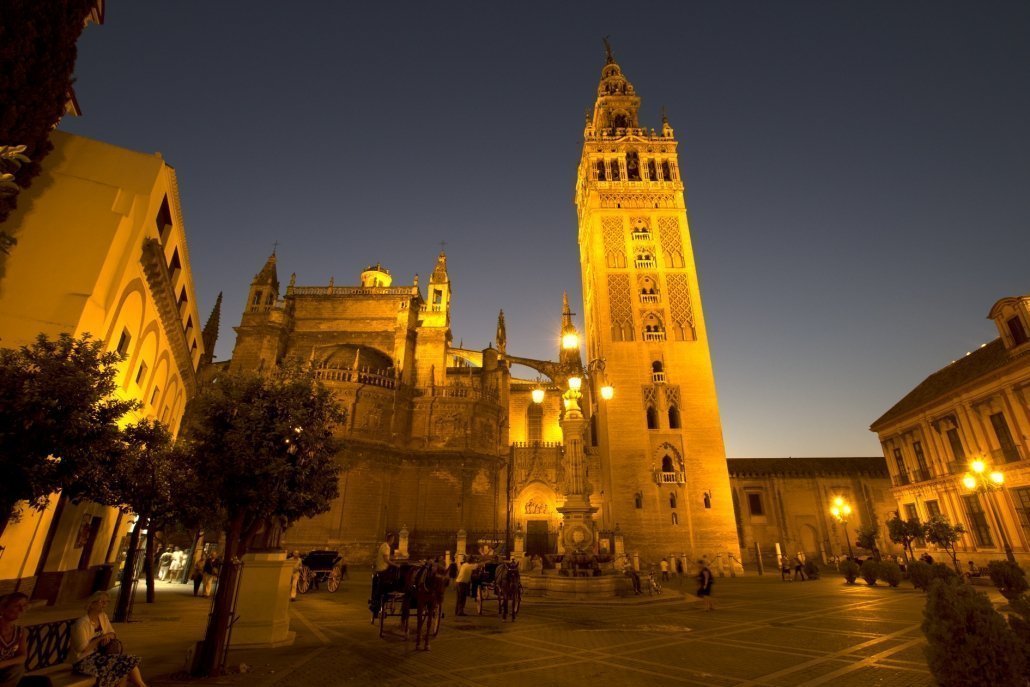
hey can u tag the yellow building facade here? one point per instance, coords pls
(663, 472)
(975, 409)
(101, 250)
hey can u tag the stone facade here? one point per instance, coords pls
(976, 408)
(786, 502)
(131, 286)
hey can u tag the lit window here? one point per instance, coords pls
(123, 343)
(141, 375)
(754, 504)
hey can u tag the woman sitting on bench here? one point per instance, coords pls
(12, 638)
(97, 650)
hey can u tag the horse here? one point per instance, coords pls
(427, 591)
(508, 583)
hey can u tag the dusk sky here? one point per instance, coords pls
(857, 173)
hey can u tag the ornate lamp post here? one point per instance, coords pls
(842, 510)
(982, 480)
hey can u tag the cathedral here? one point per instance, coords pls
(441, 439)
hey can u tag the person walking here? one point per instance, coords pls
(197, 575)
(705, 579)
(12, 638)
(799, 569)
(175, 569)
(210, 573)
(164, 564)
(664, 565)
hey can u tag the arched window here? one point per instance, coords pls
(638, 500)
(620, 121)
(674, 417)
(602, 174)
(666, 171)
(534, 423)
(657, 369)
(615, 170)
(632, 167)
(257, 298)
(652, 171)
(667, 465)
(652, 418)
(672, 499)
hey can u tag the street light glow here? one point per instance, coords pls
(969, 481)
(607, 392)
(570, 341)
(998, 477)
(537, 395)
(978, 466)
(575, 383)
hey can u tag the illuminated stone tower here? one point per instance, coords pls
(663, 463)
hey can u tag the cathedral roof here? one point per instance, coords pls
(807, 467)
(943, 382)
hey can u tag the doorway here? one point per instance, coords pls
(536, 538)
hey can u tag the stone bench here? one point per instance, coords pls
(47, 648)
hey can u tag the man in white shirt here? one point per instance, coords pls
(464, 581)
(381, 568)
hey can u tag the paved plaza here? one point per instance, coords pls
(764, 632)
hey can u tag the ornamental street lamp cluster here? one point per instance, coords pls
(842, 510)
(982, 480)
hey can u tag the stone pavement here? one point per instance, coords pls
(764, 632)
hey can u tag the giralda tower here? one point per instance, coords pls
(663, 463)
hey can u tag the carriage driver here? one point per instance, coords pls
(383, 569)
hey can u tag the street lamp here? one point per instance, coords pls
(985, 481)
(841, 510)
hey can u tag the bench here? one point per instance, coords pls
(47, 648)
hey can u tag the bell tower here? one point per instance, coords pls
(663, 462)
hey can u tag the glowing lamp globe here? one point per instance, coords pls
(575, 383)
(537, 395)
(846, 509)
(997, 477)
(969, 481)
(978, 466)
(607, 392)
(835, 512)
(570, 341)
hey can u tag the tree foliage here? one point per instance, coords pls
(905, 532)
(865, 538)
(58, 421)
(264, 449)
(1009, 578)
(943, 534)
(969, 643)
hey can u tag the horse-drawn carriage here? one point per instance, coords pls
(321, 566)
(420, 586)
(500, 583)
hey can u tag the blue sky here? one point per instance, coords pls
(856, 173)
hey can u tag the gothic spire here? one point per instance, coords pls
(209, 335)
(617, 101)
(268, 274)
(609, 57)
(566, 312)
(440, 271)
(502, 333)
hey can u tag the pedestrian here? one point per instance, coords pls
(628, 571)
(705, 579)
(175, 569)
(295, 574)
(799, 569)
(464, 582)
(664, 565)
(12, 638)
(164, 564)
(197, 576)
(210, 573)
(785, 569)
(382, 568)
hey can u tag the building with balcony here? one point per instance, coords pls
(101, 250)
(976, 408)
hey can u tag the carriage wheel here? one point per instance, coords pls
(437, 619)
(304, 582)
(334, 580)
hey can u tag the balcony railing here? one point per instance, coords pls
(663, 477)
(337, 374)
(920, 475)
(649, 298)
(658, 377)
(956, 467)
(646, 264)
(641, 235)
(1007, 454)
(901, 479)
(654, 336)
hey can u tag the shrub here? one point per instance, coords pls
(849, 569)
(943, 571)
(890, 573)
(920, 574)
(870, 569)
(1009, 578)
(812, 569)
(969, 643)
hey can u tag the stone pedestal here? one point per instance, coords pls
(263, 603)
(402, 544)
(460, 551)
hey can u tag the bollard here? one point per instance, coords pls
(758, 558)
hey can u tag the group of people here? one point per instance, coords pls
(98, 651)
(795, 565)
(170, 564)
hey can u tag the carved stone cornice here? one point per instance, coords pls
(152, 260)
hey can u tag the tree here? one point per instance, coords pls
(58, 422)
(968, 642)
(263, 454)
(905, 532)
(37, 58)
(943, 534)
(866, 539)
(146, 477)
